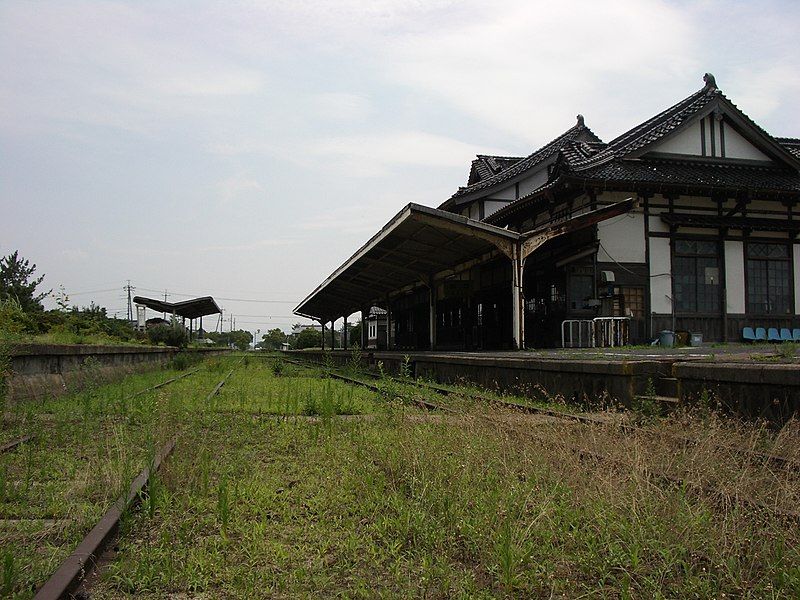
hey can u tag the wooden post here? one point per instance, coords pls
(322, 324)
(333, 335)
(344, 332)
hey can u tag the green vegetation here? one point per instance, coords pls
(288, 484)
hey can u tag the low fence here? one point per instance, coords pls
(48, 370)
(600, 332)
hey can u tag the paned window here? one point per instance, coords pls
(769, 279)
(695, 276)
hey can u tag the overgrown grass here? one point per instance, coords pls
(391, 502)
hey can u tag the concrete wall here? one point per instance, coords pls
(751, 390)
(48, 370)
(577, 381)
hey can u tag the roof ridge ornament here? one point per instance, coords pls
(580, 121)
(711, 83)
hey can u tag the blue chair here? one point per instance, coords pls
(761, 334)
(773, 335)
(796, 335)
(786, 334)
(748, 335)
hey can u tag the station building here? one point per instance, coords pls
(688, 221)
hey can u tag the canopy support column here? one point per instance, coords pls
(344, 333)
(388, 324)
(364, 328)
(432, 313)
(333, 335)
(517, 301)
(322, 337)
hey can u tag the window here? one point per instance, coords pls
(769, 280)
(695, 276)
(634, 302)
(581, 287)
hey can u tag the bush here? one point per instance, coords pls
(168, 335)
(13, 321)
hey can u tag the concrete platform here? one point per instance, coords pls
(753, 381)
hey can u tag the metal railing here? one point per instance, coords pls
(600, 332)
(577, 333)
(612, 331)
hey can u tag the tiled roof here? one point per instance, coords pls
(619, 163)
(520, 166)
(693, 175)
(791, 144)
(485, 166)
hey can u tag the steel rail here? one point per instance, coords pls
(218, 387)
(83, 559)
(14, 443)
(781, 461)
(162, 384)
(706, 489)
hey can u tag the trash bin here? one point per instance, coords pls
(696, 339)
(666, 338)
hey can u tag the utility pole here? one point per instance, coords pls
(165, 299)
(129, 288)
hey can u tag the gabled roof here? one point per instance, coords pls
(507, 175)
(623, 163)
(791, 144)
(485, 166)
(635, 142)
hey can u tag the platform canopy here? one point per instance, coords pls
(189, 309)
(414, 246)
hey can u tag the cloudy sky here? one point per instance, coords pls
(246, 149)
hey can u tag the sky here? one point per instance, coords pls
(246, 149)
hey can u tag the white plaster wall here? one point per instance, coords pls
(685, 142)
(756, 205)
(536, 179)
(796, 279)
(622, 239)
(509, 193)
(738, 147)
(734, 277)
(475, 210)
(660, 284)
(492, 206)
(656, 224)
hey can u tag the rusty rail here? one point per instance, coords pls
(14, 443)
(83, 558)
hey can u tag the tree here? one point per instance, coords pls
(273, 339)
(16, 282)
(308, 338)
(239, 339)
(354, 335)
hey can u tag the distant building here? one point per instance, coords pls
(374, 329)
(688, 221)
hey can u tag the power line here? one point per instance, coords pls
(183, 294)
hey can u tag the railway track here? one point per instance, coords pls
(705, 489)
(70, 575)
(752, 455)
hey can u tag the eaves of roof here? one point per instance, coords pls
(518, 169)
